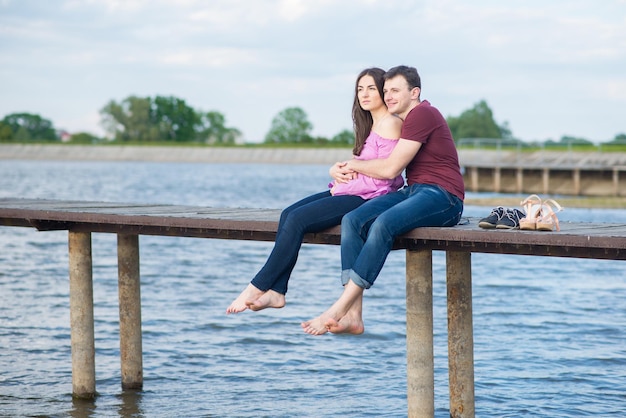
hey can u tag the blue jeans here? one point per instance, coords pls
(368, 233)
(314, 213)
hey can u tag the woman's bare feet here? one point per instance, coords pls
(269, 299)
(249, 294)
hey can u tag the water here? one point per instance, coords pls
(549, 333)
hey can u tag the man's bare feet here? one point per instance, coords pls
(269, 299)
(315, 326)
(343, 317)
(349, 324)
(250, 293)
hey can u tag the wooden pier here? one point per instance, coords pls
(554, 173)
(129, 221)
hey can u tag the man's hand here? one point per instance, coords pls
(341, 173)
(386, 168)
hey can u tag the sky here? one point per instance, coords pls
(545, 68)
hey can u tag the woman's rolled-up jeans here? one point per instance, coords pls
(368, 232)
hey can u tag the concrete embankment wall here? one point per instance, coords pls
(174, 154)
(470, 158)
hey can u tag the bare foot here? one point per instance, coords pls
(315, 326)
(348, 306)
(269, 299)
(250, 293)
(349, 324)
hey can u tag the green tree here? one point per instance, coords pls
(27, 126)
(572, 140)
(6, 134)
(139, 121)
(175, 120)
(505, 131)
(290, 126)
(477, 122)
(144, 119)
(159, 119)
(113, 119)
(22, 135)
(84, 138)
(213, 130)
(130, 120)
(319, 140)
(344, 137)
(619, 139)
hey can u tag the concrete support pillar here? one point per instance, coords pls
(460, 334)
(576, 179)
(474, 179)
(130, 311)
(419, 334)
(81, 316)
(546, 180)
(497, 179)
(615, 181)
(519, 180)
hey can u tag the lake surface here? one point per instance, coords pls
(549, 333)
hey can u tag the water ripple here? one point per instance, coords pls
(549, 334)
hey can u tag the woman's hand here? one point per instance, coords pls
(341, 173)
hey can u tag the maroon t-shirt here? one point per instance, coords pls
(437, 161)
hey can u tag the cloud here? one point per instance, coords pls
(533, 62)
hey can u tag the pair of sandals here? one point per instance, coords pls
(540, 214)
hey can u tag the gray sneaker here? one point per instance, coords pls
(491, 221)
(510, 219)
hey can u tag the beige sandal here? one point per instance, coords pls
(532, 207)
(547, 219)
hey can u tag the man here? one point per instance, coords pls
(434, 197)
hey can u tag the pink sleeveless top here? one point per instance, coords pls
(368, 187)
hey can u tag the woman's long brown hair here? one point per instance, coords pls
(362, 119)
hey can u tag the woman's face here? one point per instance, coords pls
(367, 93)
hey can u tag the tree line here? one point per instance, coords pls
(169, 119)
(164, 119)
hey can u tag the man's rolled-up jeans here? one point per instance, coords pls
(368, 232)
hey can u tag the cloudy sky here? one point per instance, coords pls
(547, 68)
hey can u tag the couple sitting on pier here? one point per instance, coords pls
(394, 131)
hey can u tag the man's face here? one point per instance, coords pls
(398, 97)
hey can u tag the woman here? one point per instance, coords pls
(376, 133)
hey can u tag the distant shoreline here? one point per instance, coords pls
(326, 156)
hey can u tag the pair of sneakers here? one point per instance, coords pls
(502, 218)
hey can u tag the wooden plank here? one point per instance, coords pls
(582, 240)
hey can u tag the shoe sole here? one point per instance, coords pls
(506, 227)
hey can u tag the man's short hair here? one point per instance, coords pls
(409, 73)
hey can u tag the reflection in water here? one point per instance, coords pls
(83, 408)
(130, 405)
